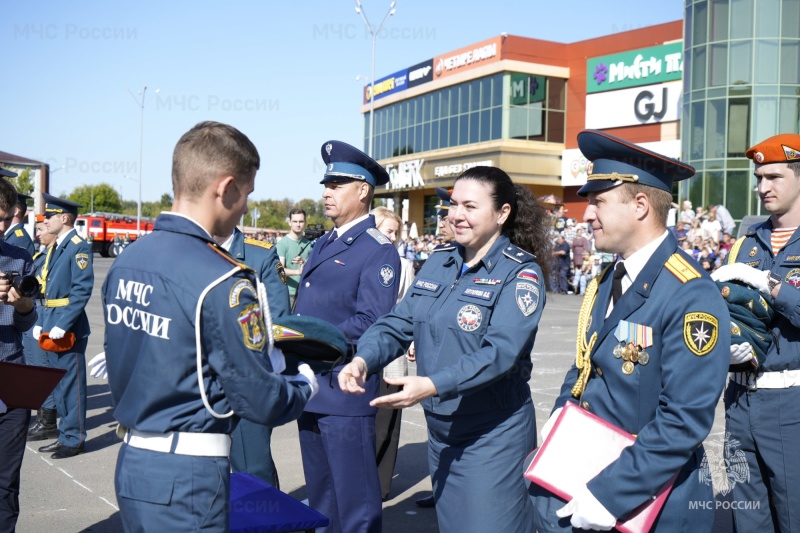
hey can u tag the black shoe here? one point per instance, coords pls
(426, 502)
(52, 447)
(67, 451)
(45, 427)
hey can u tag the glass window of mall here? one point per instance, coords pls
(741, 85)
(502, 106)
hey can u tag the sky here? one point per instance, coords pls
(284, 73)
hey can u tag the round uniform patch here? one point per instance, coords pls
(253, 328)
(469, 317)
(386, 274)
(700, 332)
(793, 278)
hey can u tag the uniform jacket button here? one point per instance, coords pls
(308, 283)
(586, 405)
(599, 372)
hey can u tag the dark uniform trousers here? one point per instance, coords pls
(70, 393)
(13, 430)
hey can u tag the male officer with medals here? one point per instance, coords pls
(16, 234)
(349, 281)
(761, 411)
(188, 349)
(63, 331)
(653, 338)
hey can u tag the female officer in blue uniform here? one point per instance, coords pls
(473, 313)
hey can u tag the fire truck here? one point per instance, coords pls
(99, 229)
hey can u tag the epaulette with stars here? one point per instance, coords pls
(518, 254)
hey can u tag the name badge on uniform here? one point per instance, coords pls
(426, 285)
(478, 293)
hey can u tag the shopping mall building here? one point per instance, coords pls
(702, 90)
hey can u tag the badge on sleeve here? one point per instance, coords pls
(386, 275)
(700, 331)
(281, 271)
(238, 288)
(82, 260)
(527, 296)
(793, 278)
(252, 324)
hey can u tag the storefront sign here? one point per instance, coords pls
(420, 73)
(645, 66)
(466, 58)
(526, 89)
(651, 104)
(405, 175)
(389, 85)
(574, 165)
(444, 171)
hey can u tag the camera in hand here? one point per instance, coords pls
(26, 286)
(314, 233)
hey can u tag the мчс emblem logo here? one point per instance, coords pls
(252, 325)
(700, 332)
(469, 317)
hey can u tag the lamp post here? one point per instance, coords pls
(374, 33)
(141, 144)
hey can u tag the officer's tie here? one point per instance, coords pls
(616, 283)
(333, 236)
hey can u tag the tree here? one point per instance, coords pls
(95, 198)
(23, 182)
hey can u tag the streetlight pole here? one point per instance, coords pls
(374, 33)
(141, 145)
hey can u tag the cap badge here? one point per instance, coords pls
(328, 148)
(791, 153)
(330, 167)
(759, 157)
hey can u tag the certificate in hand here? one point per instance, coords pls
(27, 386)
(579, 447)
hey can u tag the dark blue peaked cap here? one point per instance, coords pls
(56, 205)
(444, 202)
(307, 339)
(7, 173)
(344, 163)
(23, 198)
(616, 161)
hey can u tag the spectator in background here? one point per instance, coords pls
(293, 251)
(561, 264)
(712, 228)
(589, 268)
(682, 232)
(687, 213)
(570, 231)
(726, 243)
(724, 217)
(579, 244)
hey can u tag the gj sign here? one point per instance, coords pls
(651, 104)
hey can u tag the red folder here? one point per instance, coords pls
(27, 386)
(579, 447)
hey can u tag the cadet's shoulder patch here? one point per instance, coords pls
(82, 260)
(236, 291)
(444, 247)
(517, 254)
(281, 271)
(681, 268)
(255, 242)
(253, 329)
(76, 239)
(378, 236)
(700, 332)
(386, 275)
(19, 233)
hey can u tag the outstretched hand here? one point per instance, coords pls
(415, 389)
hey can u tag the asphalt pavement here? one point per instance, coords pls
(77, 494)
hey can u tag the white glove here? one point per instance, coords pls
(57, 333)
(587, 512)
(758, 279)
(549, 424)
(98, 366)
(741, 353)
(307, 375)
(278, 360)
(3, 407)
(37, 331)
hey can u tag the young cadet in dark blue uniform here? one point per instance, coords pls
(653, 344)
(187, 344)
(16, 234)
(45, 426)
(17, 315)
(761, 406)
(473, 313)
(348, 281)
(67, 289)
(250, 445)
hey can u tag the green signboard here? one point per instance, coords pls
(645, 66)
(526, 89)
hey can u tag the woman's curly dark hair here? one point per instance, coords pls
(528, 224)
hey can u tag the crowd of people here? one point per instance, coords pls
(656, 339)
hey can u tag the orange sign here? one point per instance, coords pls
(475, 55)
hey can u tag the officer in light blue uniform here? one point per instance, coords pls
(16, 234)
(68, 287)
(761, 413)
(250, 447)
(652, 352)
(187, 345)
(349, 280)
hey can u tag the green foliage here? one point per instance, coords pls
(23, 182)
(94, 198)
(275, 213)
